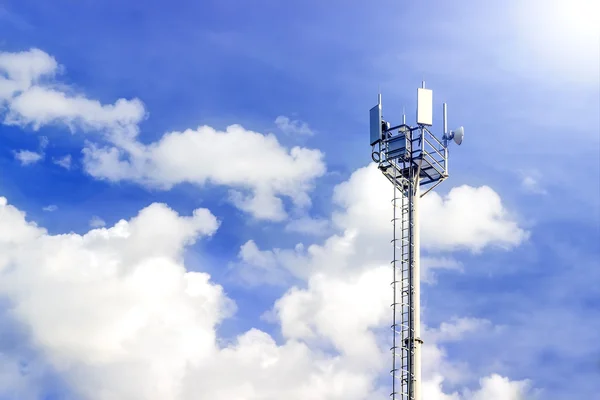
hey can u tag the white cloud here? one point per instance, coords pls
(531, 184)
(430, 264)
(119, 316)
(97, 222)
(496, 387)
(258, 267)
(113, 300)
(44, 141)
(50, 208)
(23, 69)
(38, 106)
(309, 226)
(19, 382)
(293, 127)
(350, 313)
(256, 368)
(438, 369)
(493, 387)
(344, 302)
(64, 162)
(256, 167)
(31, 100)
(467, 218)
(26, 157)
(341, 309)
(456, 329)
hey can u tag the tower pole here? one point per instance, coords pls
(417, 277)
(416, 198)
(409, 162)
(417, 290)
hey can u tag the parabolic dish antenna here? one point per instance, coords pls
(458, 135)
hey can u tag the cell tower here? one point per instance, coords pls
(411, 158)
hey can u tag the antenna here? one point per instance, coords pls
(411, 158)
(445, 119)
(457, 135)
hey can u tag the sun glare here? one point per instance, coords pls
(562, 34)
(581, 17)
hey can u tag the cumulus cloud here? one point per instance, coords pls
(32, 100)
(439, 369)
(22, 69)
(530, 182)
(496, 387)
(255, 367)
(26, 157)
(477, 219)
(342, 302)
(64, 162)
(350, 313)
(456, 329)
(44, 141)
(256, 167)
(293, 127)
(493, 387)
(258, 267)
(97, 222)
(113, 300)
(342, 309)
(308, 226)
(119, 316)
(40, 106)
(467, 218)
(430, 264)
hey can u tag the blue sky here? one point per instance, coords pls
(522, 77)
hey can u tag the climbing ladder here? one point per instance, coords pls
(402, 285)
(408, 160)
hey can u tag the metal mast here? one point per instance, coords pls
(411, 158)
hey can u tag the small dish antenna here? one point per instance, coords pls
(457, 135)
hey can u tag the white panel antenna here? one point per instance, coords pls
(424, 106)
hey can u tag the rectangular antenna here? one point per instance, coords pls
(424, 106)
(445, 120)
(375, 123)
